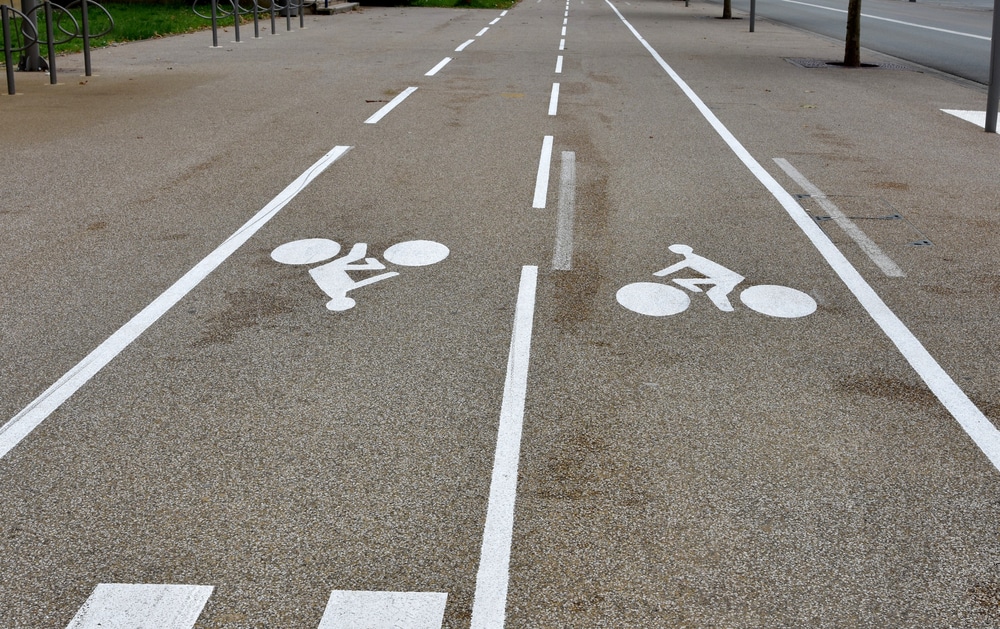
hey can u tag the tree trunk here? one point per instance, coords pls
(852, 47)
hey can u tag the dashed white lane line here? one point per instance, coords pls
(562, 257)
(349, 609)
(141, 606)
(465, 45)
(973, 421)
(559, 62)
(861, 239)
(542, 179)
(438, 67)
(381, 113)
(21, 425)
(563, 34)
(554, 99)
(490, 601)
(562, 44)
(503, 13)
(494, 21)
(482, 32)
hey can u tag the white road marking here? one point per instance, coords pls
(494, 21)
(384, 610)
(973, 421)
(381, 113)
(562, 44)
(977, 118)
(464, 46)
(563, 34)
(554, 99)
(565, 21)
(140, 606)
(559, 62)
(438, 67)
(562, 257)
(886, 19)
(482, 32)
(21, 425)
(503, 13)
(542, 180)
(854, 232)
(490, 602)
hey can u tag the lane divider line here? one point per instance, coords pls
(482, 32)
(494, 21)
(438, 67)
(21, 425)
(490, 601)
(979, 428)
(559, 62)
(465, 45)
(381, 113)
(562, 256)
(562, 44)
(542, 180)
(860, 238)
(554, 99)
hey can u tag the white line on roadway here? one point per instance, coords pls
(503, 13)
(142, 606)
(854, 232)
(349, 609)
(562, 257)
(490, 602)
(482, 32)
(542, 180)
(562, 44)
(494, 21)
(886, 19)
(559, 61)
(554, 99)
(973, 421)
(21, 425)
(378, 115)
(563, 34)
(464, 46)
(438, 67)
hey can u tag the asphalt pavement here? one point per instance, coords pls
(581, 314)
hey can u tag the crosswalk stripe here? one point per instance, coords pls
(142, 606)
(348, 609)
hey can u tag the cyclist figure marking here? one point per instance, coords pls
(723, 280)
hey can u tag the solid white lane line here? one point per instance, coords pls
(559, 61)
(381, 113)
(562, 257)
(854, 232)
(886, 19)
(438, 67)
(554, 99)
(464, 46)
(482, 32)
(21, 425)
(562, 44)
(490, 602)
(140, 606)
(972, 420)
(542, 180)
(347, 609)
(494, 21)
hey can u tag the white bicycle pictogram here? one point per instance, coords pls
(660, 300)
(334, 277)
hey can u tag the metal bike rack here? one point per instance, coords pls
(6, 15)
(223, 9)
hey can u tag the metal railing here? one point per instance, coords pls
(224, 10)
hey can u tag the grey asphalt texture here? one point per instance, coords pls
(707, 469)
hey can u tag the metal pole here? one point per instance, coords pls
(85, 27)
(288, 15)
(236, 19)
(256, 23)
(50, 39)
(993, 94)
(215, 24)
(274, 30)
(302, 14)
(753, 13)
(8, 55)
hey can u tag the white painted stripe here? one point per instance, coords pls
(490, 602)
(559, 62)
(413, 610)
(977, 118)
(438, 67)
(21, 425)
(381, 113)
(503, 13)
(542, 180)
(886, 19)
(482, 32)
(494, 21)
(972, 420)
(562, 44)
(854, 232)
(565, 21)
(563, 31)
(464, 46)
(139, 606)
(554, 99)
(562, 258)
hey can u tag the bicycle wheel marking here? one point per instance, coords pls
(655, 300)
(778, 301)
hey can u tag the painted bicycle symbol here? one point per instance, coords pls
(334, 277)
(661, 300)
